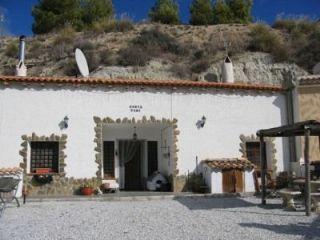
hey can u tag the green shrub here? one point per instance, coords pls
(133, 56)
(93, 60)
(112, 25)
(36, 49)
(180, 70)
(107, 57)
(165, 11)
(62, 44)
(309, 55)
(196, 183)
(83, 44)
(200, 66)
(124, 25)
(70, 67)
(12, 50)
(263, 39)
(155, 41)
(301, 25)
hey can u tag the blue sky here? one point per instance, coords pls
(19, 19)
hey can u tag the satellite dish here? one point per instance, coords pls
(82, 63)
(316, 69)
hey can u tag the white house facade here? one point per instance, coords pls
(126, 129)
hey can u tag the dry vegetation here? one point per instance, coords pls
(189, 49)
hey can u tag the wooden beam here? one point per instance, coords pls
(307, 172)
(263, 171)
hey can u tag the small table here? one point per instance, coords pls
(287, 195)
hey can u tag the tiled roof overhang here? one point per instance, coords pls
(309, 80)
(137, 82)
(229, 163)
(10, 171)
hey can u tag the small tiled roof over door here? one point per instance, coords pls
(229, 163)
(309, 80)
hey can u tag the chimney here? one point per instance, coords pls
(21, 69)
(227, 71)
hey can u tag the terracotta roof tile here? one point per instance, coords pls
(229, 163)
(10, 171)
(309, 80)
(138, 82)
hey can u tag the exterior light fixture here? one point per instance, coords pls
(135, 135)
(200, 123)
(64, 123)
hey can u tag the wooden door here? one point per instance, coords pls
(232, 181)
(239, 178)
(228, 181)
(133, 172)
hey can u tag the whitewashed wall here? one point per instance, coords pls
(229, 114)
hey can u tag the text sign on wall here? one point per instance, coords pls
(135, 108)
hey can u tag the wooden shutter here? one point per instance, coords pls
(108, 159)
(152, 157)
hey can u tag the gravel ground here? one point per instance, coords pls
(181, 218)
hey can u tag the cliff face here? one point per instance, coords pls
(197, 55)
(248, 68)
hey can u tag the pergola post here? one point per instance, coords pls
(263, 171)
(307, 172)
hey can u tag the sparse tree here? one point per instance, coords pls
(241, 11)
(95, 10)
(51, 14)
(221, 12)
(165, 11)
(201, 12)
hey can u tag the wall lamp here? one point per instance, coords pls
(200, 123)
(64, 123)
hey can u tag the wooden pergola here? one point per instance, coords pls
(306, 129)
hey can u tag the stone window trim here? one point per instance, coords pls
(26, 140)
(270, 148)
(100, 122)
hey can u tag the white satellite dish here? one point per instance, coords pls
(316, 69)
(82, 63)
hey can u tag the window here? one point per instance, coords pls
(44, 155)
(253, 152)
(152, 157)
(108, 159)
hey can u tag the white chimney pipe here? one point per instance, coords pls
(21, 69)
(227, 71)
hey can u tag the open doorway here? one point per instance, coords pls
(134, 152)
(131, 159)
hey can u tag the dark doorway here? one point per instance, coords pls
(132, 159)
(233, 181)
(152, 157)
(108, 159)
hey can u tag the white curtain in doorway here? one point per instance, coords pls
(127, 150)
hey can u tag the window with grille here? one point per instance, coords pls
(108, 159)
(44, 155)
(152, 157)
(253, 152)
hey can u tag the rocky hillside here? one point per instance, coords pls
(150, 51)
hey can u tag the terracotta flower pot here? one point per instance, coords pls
(87, 191)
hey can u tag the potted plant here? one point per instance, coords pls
(86, 189)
